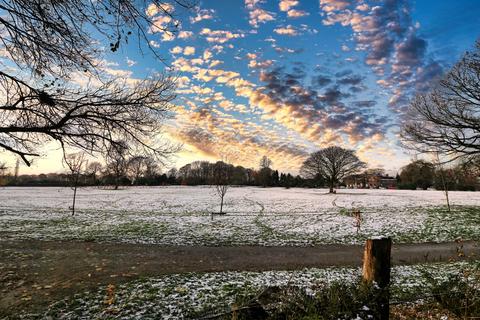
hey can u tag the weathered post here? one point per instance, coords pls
(376, 269)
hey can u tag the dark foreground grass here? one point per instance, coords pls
(455, 297)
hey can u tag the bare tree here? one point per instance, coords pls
(116, 162)
(3, 168)
(94, 169)
(265, 172)
(446, 120)
(75, 163)
(333, 164)
(91, 119)
(221, 181)
(51, 42)
(265, 162)
(151, 168)
(3, 173)
(136, 168)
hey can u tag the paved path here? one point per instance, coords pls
(57, 269)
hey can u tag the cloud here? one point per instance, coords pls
(285, 5)
(188, 51)
(318, 115)
(254, 62)
(154, 44)
(334, 5)
(131, 62)
(410, 52)
(213, 133)
(350, 80)
(260, 64)
(158, 8)
(386, 32)
(176, 50)
(185, 34)
(220, 36)
(256, 14)
(365, 103)
(321, 80)
(297, 13)
(202, 14)
(288, 31)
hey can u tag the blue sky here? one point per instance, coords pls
(285, 78)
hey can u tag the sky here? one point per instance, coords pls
(284, 78)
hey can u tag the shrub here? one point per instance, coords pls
(459, 293)
(329, 302)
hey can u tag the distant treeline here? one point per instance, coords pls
(143, 171)
(464, 176)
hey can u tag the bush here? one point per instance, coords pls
(329, 302)
(459, 293)
(407, 186)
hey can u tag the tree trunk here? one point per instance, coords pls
(74, 196)
(221, 206)
(376, 269)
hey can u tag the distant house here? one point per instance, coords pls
(355, 181)
(388, 182)
(370, 181)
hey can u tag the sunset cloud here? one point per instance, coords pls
(285, 78)
(296, 13)
(220, 36)
(202, 14)
(256, 14)
(288, 31)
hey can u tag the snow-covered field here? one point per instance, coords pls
(265, 216)
(178, 296)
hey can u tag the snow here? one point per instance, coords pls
(180, 215)
(180, 295)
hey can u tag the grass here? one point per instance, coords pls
(331, 293)
(415, 224)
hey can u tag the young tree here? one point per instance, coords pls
(446, 120)
(221, 180)
(333, 164)
(53, 42)
(75, 163)
(442, 173)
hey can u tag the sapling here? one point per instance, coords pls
(221, 181)
(75, 163)
(444, 182)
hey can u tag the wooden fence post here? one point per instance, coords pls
(376, 269)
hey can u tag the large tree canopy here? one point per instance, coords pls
(446, 120)
(51, 42)
(332, 163)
